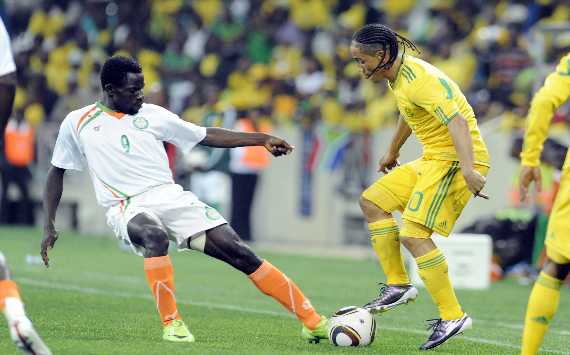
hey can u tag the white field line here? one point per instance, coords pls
(518, 327)
(141, 281)
(96, 291)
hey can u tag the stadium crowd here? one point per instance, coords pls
(287, 58)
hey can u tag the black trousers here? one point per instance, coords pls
(20, 212)
(243, 192)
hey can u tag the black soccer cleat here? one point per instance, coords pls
(391, 296)
(443, 330)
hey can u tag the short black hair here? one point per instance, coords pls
(115, 70)
(373, 37)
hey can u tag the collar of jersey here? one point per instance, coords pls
(393, 85)
(108, 111)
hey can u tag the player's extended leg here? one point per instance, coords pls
(542, 304)
(384, 236)
(147, 232)
(433, 270)
(22, 332)
(224, 244)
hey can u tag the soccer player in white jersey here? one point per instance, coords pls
(120, 141)
(22, 331)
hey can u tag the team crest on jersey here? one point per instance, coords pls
(212, 214)
(140, 123)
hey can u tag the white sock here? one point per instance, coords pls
(14, 309)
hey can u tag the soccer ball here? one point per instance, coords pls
(352, 326)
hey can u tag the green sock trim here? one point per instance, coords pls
(432, 263)
(384, 231)
(431, 259)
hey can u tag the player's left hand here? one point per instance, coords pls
(475, 183)
(277, 146)
(50, 237)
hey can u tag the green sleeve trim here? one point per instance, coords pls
(447, 88)
(442, 117)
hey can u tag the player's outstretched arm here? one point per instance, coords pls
(554, 92)
(226, 138)
(390, 159)
(52, 196)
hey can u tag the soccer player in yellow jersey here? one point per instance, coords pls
(431, 191)
(545, 295)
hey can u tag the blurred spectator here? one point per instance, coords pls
(246, 164)
(291, 56)
(19, 155)
(283, 52)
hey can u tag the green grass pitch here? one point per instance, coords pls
(94, 300)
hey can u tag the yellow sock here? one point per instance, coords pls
(542, 305)
(433, 271)
(384, 236)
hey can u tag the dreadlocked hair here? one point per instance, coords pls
(374, 37)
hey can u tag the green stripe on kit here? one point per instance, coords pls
(407, 76)
(409, 71)
(89, 120)
(384, 231)
(441, 194)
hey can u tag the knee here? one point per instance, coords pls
(371, 211)
(155, 240)
(418, 246)
(556, 270)
(408, 242)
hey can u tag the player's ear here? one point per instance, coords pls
(380, 54)
(109, 89)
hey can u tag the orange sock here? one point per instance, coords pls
(269, 280)
(8, 289)
(160, 277)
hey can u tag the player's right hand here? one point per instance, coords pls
(475, 183)
(529, 174)
(277, 146)
(388, 162)
(50, 237)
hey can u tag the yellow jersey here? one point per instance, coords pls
(428, 100)
(554, 92)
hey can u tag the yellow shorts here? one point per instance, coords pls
(430, 194)
(558, 233)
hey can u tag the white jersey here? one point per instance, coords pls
(124, 153)
(7, 65)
